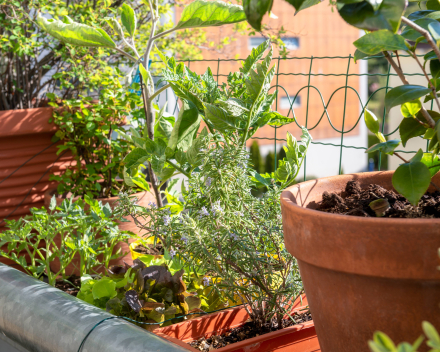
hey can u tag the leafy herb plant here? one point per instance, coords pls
(89, 129)
(71, 232)
(197, 14)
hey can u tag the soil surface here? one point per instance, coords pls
(68, 287)
(356, 201)
(244, 332)
(150, 249)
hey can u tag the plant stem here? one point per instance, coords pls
(160, 90)
(423, 32)
(178, 168)
(434, 93)
(399, 72)
(164, 33)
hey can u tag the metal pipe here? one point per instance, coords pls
(41, 318)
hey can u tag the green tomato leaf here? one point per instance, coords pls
(276, 119)
(219, 118)
(412, 181)
(255, 55)
(383, 40)
(75, 33)
(137, 156)
(201, 13)
(371, 121)
(128, 19)
(255, 10)
(403, 94)
(185, 127)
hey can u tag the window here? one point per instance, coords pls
(292, 43)
(255, 41)
(285, 104)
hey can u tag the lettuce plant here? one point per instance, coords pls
(197, 14)
(151, 294)
(34, 242)
(383, 20)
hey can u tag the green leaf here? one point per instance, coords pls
(403, 94)
(128, 19)
(114, 24)
(383, 40)
(411, 108)
(219, 118)
(185, 127)
(358, 55)
(410, 128)
(387, 147)
(75, 33)
(276, 119)
(384, 341)
(255, 10)
(260, 179)
(141, 182)
(193, 152)
(164, 127)
(432, 334)
(412, 181)
(371, 121)
(411, 34)
(104, 287)
(255, 55)
(137, 156)
(300, 5)
(432, 162)
(258, 82)
(363, 15)
(202, 13)
(53, 203)
(433, 5)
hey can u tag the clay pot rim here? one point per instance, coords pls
(288, 193)
(237, 345)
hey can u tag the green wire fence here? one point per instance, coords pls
(348, 89)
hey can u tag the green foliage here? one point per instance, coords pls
(403, 94)
(235, 236)
(255, 158)
(382, 343)
(202, 13)
(236, 109)
(383, 40)
(269, 163)
(86, 128)
(84, 228)
(151, 294)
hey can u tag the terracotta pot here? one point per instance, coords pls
(360, 274)
(24, 176)
(297, 338)
(143, 199)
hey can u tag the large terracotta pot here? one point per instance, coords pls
(24, 175)
(23, 134)
(362, 275)
(144, 198)
(297, 338)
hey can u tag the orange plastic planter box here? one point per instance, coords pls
(297, 338)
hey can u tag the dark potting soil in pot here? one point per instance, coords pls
(356, 201)
(247, 331)
(150, 249)
(67, 286)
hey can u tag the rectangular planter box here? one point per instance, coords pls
(297, 338)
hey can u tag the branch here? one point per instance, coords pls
(423, 32)
(157, 36)
(399, 72)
